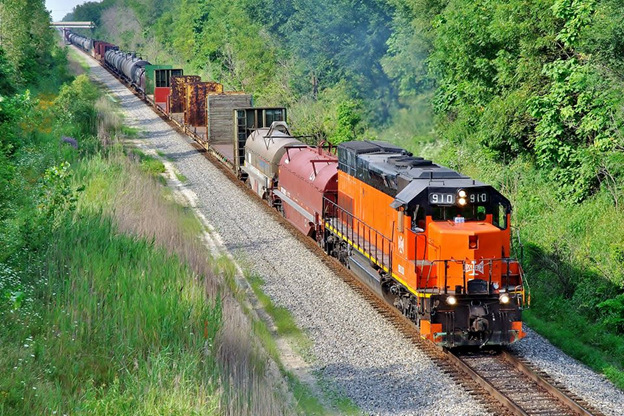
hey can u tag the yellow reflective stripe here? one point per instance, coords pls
(365, 254)
(352, 244)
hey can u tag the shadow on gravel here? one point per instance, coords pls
(386, 390)
(251, 246)
(175, 156)
(155, 134)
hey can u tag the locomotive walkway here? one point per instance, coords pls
(355, 351)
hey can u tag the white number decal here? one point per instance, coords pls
(476, 198)
(434, 198)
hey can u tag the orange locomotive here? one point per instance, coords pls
(432, 241)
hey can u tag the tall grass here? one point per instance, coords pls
(131, 317)
(123, 311)
(138, 207)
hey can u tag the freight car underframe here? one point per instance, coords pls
(476, 313)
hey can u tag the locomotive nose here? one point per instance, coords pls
(471, 248)
(466, 241)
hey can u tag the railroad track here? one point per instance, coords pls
(501, 382)
(517, 386)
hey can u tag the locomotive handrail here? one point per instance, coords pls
(362, 241)
(490, 262)
(525, 281)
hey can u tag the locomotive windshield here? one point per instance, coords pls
(468, 212)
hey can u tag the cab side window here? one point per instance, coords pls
(480, 213)
(499, 217)
(418, 219)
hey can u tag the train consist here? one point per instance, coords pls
(431, 241)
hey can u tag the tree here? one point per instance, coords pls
(26, 38)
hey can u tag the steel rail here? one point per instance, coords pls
(485, 384)
(567, 401)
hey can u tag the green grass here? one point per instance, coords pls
(118, 324)
(163, 155)
(113, 307)
(282, 318)
(582, 340)
(181, 177)
(129, 132)
(152, 166)
(149, 164)
(102, 322)
(75, 56)
(115, 316)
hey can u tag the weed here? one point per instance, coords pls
(286, 327)
(129, 132)
(181, 177)
(163, 155)
(77, 63)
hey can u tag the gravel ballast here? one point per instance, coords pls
(355, 351)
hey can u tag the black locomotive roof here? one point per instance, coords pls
(398, 173)
(366, 146)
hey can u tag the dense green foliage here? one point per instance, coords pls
(526, 95)
(26, 44)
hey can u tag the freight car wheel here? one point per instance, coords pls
(279, 207)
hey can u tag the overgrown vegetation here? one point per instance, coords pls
(109, 303)
(526, 95)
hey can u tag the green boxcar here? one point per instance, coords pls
(159, 76)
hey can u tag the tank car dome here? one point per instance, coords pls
(266, 146)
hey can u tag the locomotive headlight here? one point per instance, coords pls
(451, 300)
(504, 298)
(462, 194)
(462, 201)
